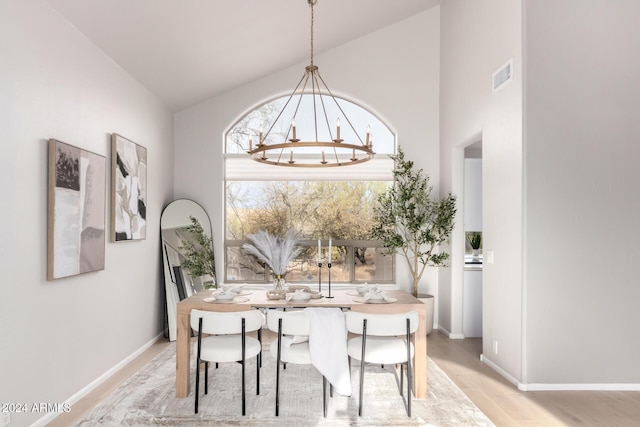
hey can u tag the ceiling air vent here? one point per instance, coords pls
(503, 76)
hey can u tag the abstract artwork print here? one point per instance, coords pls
(76, 211)
(128, 190)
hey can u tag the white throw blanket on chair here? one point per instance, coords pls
(328, 346)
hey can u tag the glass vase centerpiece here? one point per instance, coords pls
(275, 251)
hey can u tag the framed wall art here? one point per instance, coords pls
(76, 211)
(128, 190)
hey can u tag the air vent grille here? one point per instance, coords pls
(503, 76)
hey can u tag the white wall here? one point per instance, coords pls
(582, 199)
(561, 201)
(393, 72)
(477, 38)
(472, 195)
(56, 337)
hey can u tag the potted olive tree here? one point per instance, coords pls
(408, 220)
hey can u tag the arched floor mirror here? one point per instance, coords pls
(187, 252)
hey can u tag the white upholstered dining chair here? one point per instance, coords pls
(227, 342)
(295, 325)
(383, 339)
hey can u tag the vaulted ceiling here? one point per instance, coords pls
(186, 51)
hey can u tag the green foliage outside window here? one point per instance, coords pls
(342, 211)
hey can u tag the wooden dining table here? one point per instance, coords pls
(256, 299)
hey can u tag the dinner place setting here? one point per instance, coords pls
(228, 294)
(370, 294)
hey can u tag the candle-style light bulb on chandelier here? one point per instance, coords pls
(312, 152)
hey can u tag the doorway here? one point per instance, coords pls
(473, 261)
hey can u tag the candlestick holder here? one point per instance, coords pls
(319, 277)
(329, 268)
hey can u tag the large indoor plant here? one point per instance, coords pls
(198, 254)
(412, 222)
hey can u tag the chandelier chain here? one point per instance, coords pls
(311, 3)
(337, 148)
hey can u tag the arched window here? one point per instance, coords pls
(318, 203)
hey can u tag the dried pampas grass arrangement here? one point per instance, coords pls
(277, 252)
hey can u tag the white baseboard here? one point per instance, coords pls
(95, 383)
(558, 387)
(484, 359)
(451, 335)
(579, 387)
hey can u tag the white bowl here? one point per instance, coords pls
(299, 296)
(225, 295)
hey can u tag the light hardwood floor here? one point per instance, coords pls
(505, 405)
(502, 402)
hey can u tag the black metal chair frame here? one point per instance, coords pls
(199, 361)
(279, 362)
(407, 364)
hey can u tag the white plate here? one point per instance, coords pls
(236, 300)
(386, 300)
(240, 294)
(353, 293)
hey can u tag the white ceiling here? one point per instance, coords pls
(186, 51)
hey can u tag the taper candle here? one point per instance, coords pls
(329, 261)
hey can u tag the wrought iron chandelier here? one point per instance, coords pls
(313, 152)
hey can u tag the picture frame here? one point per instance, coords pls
(128, 190)
(76, 211)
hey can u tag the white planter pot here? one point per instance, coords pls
(428, 300)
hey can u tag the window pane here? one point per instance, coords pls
(340, 271)
(249, 126)
(371, 265)
(322, 204)
(242, 267)
(316, 210)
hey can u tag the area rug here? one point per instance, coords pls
(148, 399)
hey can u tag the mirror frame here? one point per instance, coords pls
(178, 283)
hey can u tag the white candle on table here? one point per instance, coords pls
(329, 252)
(319, 252)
